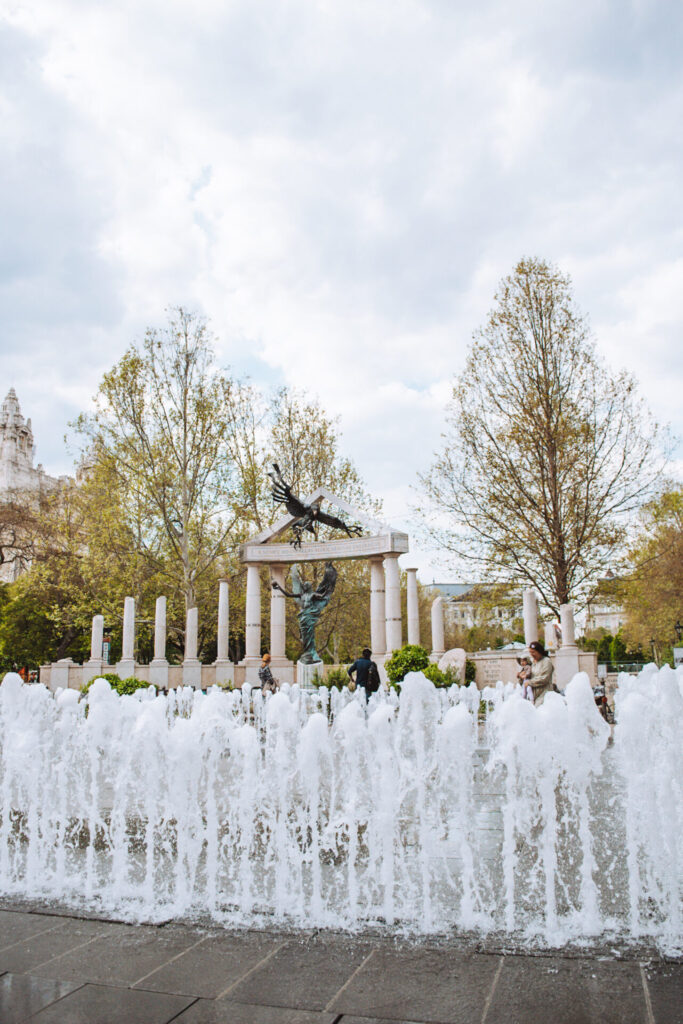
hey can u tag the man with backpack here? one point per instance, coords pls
(367, 673)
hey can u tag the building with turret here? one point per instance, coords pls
(17, 452)
(18, 477)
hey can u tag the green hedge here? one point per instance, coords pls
(121, 686)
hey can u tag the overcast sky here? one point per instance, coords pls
(338, 185)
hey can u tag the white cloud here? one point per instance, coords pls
(339, 187)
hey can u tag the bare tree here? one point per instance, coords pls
(18, 533)
(545, 453)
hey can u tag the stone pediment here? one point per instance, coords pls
(381, 539)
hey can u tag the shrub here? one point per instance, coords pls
(121, 686)
(470, 671)
(338, 677)
(410, 658)
(439, 677)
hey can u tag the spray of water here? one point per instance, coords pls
(309, 809)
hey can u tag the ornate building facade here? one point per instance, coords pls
(18, 475)
(17, 452)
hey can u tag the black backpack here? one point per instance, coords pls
(373, 678)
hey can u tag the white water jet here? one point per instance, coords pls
(308, 808)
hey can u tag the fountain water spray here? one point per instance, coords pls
(308, 809)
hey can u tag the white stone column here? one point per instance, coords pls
(96, 635)
(93, 667)
(530, 611)
(277, 613)
(567, 625)
(281, 667)
(413, 608)
(252, 631)
(126, 667)
(225, 670)
(158, 669)
(567, 658)
(438, 634)
(192, 670)
(378, 625)
(392, 579)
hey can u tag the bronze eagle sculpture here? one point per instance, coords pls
(306, 516)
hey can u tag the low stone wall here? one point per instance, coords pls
(493, 666)
(69, 674)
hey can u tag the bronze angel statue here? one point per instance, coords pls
(306, 516)
(311, 603)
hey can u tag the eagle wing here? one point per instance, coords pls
(282, 495)
(328, 520)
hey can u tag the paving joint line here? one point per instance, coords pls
(170, 961)
(66, 952)
(181, 1012)
(251, 971)
(648, 1001)
(492, 992)
(349, 980)
(29, 938)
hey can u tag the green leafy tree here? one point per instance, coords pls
(653, 590)
(160, 428)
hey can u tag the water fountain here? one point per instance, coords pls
(301, 808)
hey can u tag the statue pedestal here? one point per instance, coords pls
(305, 673)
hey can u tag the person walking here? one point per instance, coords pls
(268, 682)
(367, 673)
(542, 672)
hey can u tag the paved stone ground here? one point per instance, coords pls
(60, 969)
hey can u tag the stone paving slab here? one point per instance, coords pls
(21, 996)
(67, 970)
(124, 955)
(99, 1004)
(225, 1012)
(664, 988)
(304, 975)
(566, 991)
(433, 986)
(17, 926)
(213, 967)
(64, 937)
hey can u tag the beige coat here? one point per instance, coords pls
(541, 680)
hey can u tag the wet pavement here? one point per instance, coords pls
(65, 969)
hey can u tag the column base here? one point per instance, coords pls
(566, 666)
(158, 673)
(59, 676)
(282, 669)
(225, 674)
(379, 660)
(92, 669)
(125, 668)
(192, 673)
(251, 667)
